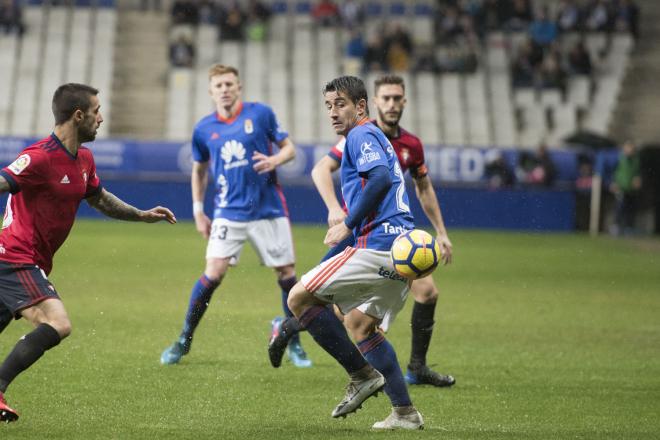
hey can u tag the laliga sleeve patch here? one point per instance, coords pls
(19, 164)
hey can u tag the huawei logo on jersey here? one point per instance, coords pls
(233, 153)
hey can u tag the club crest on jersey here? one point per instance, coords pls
(368, 154)
(405, 154)
(19, 164)
(248, 126)
(233, 153)
(85, 176)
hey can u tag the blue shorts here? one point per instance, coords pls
(21, 287)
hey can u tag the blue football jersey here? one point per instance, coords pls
(242, 194)
(367, 147)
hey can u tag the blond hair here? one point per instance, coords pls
(221, 69)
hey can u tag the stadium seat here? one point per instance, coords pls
(254, 71)
(102, 64)
(22, 123)
(202, 104)
(478, 126)
(78, 53)
(452, 109)
(207, 37)
(178, 105)
(51, 78)
(8, 52)
(429, 111)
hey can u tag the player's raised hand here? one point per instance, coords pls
(336, 234)
(157, 214)
(262, 163)
(446, 248)
(203, 225)
(336, 216)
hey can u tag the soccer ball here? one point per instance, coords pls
(415, 254)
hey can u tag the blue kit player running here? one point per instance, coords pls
(360, 281)
(236, 143)
(390, 100)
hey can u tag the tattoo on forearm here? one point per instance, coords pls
(114, 207)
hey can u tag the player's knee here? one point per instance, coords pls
(62, 326)
(360, 327)
(285, 272)
(297, 300)
(425, 292)
(216, 269)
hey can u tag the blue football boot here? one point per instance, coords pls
(173, 354)
(297, 355)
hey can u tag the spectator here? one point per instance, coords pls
(553, 75)
(182, 52)
(326, 13)
(526, 65)
(352, 14)
(625, 186)
(538, 169)
(448, 25)
(426, 59)
(185, 12)
(354, 53)
(397, 34)
(543, 31)
(398, 59)
(259, 10)
(232, 24)
(492, 15)
(598, 17)
(545, 171)
(568, 17)
(375, 57)
(627, 18)
(521, 15)
(209, 11)
(11, 17)
(579, 60)
(498, 173)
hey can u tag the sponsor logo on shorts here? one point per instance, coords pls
(390, 274)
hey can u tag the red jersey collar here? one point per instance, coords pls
(239, 109)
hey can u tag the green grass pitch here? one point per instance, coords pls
(549, 336)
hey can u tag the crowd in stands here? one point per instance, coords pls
(11, 17)
(541, 62)
(531, 169)
(236, 21)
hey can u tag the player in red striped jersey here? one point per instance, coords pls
(390, 100)
(47, 182)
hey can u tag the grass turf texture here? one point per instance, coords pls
(549, 336)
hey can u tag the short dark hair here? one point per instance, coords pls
(351, 86)
(71, 97)
(389, 79)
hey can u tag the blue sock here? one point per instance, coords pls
(200, 297)
(329, 333)
(286, 285)
(382, 357)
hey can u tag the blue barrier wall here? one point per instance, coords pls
(150, 173)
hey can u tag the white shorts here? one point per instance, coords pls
(362, 279)
(271, 238)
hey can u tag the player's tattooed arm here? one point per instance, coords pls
(112, 206)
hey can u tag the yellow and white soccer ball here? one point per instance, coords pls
(415, 254)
